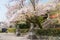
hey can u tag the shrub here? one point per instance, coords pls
(11, 30)
(23, 30)
(0, 31)
(23, 26)
(49, 32)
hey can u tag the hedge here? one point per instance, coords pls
(48, 32)
(11, 30)
(40, 32)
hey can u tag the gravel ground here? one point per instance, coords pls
(11, 36)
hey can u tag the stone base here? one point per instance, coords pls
(31, 35)
(18, 34)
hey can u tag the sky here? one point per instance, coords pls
(44, 1)
(3, 9)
